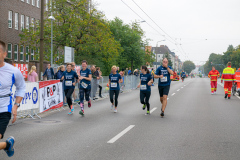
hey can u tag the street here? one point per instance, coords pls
(196, 126)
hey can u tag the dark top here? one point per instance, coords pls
(165, 81)
(114, 78)
(145, 78)
(69, 79)
(85, 83)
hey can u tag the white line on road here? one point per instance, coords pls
(178, 90)
(114, 139)
(153, 109)
(173, 94)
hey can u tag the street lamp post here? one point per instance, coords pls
(52, 19)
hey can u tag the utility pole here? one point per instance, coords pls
(41, 38)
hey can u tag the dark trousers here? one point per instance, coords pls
(144, 98)
(100, 90)
(68, 94)
(83, 91)
(112, 92)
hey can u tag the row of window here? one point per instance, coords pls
(34, 2)
(22, 49)
(23, 20)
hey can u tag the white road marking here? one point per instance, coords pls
(153, 109)
(114, 139)
(178, 90)
(173, 94)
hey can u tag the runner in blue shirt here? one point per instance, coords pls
(114, 80)
(69, 85)
(85, 86)
(163, 73)
(146, 81)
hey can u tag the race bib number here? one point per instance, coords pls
(68, 83)
(114, 85)
(164, 79)
(84, 85)
(143, 87)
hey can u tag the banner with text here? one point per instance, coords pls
(51, 96)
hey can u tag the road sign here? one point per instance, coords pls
(68, 54)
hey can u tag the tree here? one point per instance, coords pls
(130, 38)
(188, 66)
(74, 26)
(216, 61)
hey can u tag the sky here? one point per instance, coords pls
(193, 29)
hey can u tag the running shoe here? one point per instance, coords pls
(148, 113)
(226, 95)
(10, 150)
(162, 114)
(89, 104)
(81, 112)
(111, 107)
(212, 93)
(115, 110)
(72, 108)
(70, 112)
(229, 97)
(144, 106)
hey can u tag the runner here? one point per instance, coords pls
(183, 75)
(213, 75)
(69, 85)
(146, 81)
(114, 80)
(228, 76)
(9, 75)
(163, 73)
(85, 86)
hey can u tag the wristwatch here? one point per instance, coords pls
(18, 104)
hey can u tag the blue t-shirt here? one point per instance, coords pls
(114, 78)
(85, 83)
(69, 79)
(165, 81)
(183, 74)
(145, 78)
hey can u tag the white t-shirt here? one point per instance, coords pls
(10, 75)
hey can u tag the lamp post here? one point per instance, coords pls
(52, 19)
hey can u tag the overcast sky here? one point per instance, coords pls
(204, 26)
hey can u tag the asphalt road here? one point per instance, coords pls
(196, 126)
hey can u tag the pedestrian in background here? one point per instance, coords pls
(58, 75)
(98, 81)
(49, 72)
(33, 76)
(95, 77)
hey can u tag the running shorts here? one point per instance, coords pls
(163, 90)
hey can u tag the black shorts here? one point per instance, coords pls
(163, 90)
(4, 120)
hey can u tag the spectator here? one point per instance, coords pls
(59, 73)
(135, 72)
(126, 72)
(33, 76)
(95, 77)
(49, 72)
(153, 73)
(99, 86)
(129, 71)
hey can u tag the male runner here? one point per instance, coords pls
(9, 75)
(163, 73)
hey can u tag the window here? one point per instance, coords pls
(32, 22)
(46, 5)
(38, 3)
(27, 52)
(21, 53)
(9, 19)
(28, 1)
(9, 50)
(16, 21)
(27, 22)
(32, 54)
(15, 52)
(22, 22)
(33, 2)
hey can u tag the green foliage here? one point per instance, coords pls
(188, 66)
(216, 61)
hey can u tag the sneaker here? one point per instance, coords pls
(229, 97)
(144, 106)
(162, 114)
(72, 108)
(111, 107)
(226, 95)
(70, 112)
(10, 150)
(89, 104)
(115, 110)
(100, 96)
(148, 113)
(212, 93)
(96, 98)
(81, 112)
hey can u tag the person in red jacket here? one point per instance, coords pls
(213, 75)
(237, 76)
(228, 76)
